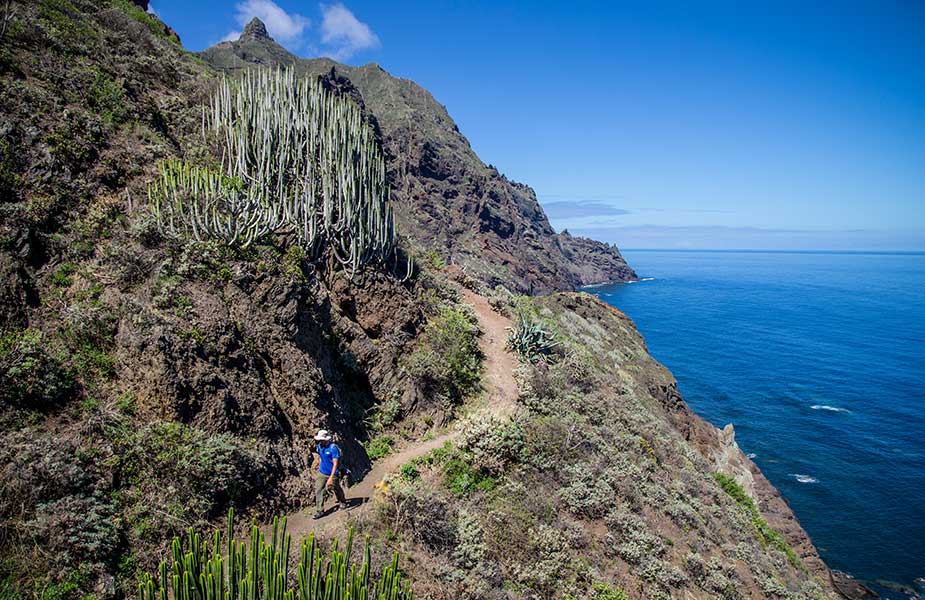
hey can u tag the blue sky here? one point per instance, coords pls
(784, 125)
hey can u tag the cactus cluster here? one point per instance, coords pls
(294, 157)
(530, 341)
(259, 570)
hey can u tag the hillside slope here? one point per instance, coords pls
(446, 198)
(578, 477)
(149, 383)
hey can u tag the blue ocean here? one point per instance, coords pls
(818, 360)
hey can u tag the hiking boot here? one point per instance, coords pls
(318, 515)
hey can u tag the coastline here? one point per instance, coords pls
(802, 414)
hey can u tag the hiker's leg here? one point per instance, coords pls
(320, 480)
(339, 491)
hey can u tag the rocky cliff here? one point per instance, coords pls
(147, 384)
(447, 199)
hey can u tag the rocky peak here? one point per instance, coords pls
(255, 30)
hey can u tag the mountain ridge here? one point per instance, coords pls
(446, 199)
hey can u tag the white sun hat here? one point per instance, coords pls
(323, 435)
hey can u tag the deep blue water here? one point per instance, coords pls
(817, 359)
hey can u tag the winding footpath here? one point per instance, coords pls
(499, 399)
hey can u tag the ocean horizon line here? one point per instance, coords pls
(774, 251)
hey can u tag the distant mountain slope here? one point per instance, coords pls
(447, 199)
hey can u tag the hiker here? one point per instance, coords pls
(329, 471)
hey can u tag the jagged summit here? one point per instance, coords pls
(255, 30)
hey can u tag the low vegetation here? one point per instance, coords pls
(587, 492)
(765, 533)
(380, 447)
(32, 375)
(447, 362)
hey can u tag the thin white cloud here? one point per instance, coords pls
(286, 28)
(569, 210)
(344, 34)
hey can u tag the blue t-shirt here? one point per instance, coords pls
(328, 454)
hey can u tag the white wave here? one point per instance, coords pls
(829, 408)
(804, 478)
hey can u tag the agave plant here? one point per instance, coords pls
(530, 341)
(259, 570)
(294, 157)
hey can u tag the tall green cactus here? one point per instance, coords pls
(259, 570)
(294, 157)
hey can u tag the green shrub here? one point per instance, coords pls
(148, 20)
(435, 260)
(293, 259)
(8, 588)
(65, 25)
(603, 591)
(78, 530)
(380, 447)
(195, 334)
(76, 141)
(62, 275)
(409, 471)
(89, 333)
(126, 404)
(99, 222)
(258, 570)
(447, 362)
(493, 443)
(106, 98)
(176, 473)
(461, 477)
(384, 414)
(470, 547)
(764, 532)
(30, 373)
(65, 589)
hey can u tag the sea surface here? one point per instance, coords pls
(818, 360)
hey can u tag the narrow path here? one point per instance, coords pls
(499, 398)
(498, 377)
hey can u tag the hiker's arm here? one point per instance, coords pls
(333, 471)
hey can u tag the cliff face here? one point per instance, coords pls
(446, 198)
(148, 384)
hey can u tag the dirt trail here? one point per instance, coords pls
(499, 398)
